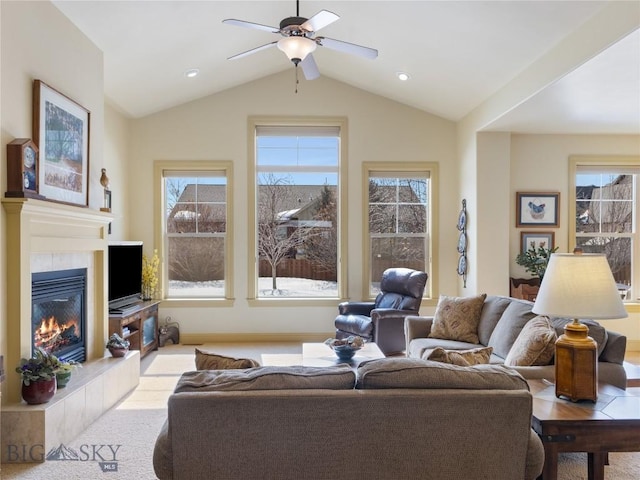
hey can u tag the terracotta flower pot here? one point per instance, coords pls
(39, 392)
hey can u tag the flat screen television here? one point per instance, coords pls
(125, 275)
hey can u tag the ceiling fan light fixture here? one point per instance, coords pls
(296, 48)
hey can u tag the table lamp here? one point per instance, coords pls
(577, 285)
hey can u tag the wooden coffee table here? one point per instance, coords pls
(321, 355)
(611, 424)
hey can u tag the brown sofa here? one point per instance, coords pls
(399, 418)
(501, 321)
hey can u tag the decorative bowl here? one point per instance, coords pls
(345, 352)
(345, 348)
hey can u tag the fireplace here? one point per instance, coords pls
(58, 313)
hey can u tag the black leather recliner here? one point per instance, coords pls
(382, 321)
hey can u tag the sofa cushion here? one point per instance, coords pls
(463, 358)
(514, 318)
(213, 361)
(339, 377)
(535, 345)
(418, 373)
(596, 331)
(456, 318)
(493, 308)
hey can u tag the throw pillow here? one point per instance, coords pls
(511, 323)
(464, 358)
(535, 345)
(457, 318)
(213, 361)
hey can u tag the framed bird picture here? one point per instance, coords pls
(537, 209)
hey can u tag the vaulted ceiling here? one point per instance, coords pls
(457, 53)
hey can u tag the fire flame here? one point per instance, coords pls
(50, 333)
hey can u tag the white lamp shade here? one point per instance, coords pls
(579, 286)
(296, 47)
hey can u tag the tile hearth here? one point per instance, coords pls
(29, 432)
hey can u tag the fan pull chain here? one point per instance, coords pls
(297, 81)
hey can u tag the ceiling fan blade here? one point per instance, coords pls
(253, 50)
(258, 26)
(347, 47)
(309, 68)
(319, 20)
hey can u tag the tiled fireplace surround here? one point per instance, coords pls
(41, 237)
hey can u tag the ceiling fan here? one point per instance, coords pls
(299, 41)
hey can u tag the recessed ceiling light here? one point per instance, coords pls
(403, 76)
(192, 72)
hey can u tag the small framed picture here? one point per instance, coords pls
(537, 209)
(535, 240)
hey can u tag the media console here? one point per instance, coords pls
(138, 324)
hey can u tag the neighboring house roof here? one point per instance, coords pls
(301, 198)
(300, 201)
(595, 206)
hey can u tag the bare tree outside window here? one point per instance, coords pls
(297, 171)
(280, 233)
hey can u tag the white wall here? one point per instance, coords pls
(38, 42)
(117, 162)
(215, 128)
(493, 218)
(541, 162)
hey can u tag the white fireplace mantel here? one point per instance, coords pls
(37, 229)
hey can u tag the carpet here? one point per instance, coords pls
(119, 445)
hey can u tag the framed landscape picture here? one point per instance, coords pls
(537, 209)
(61, 131)
(536, 240)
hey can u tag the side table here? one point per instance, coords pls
(611, 424)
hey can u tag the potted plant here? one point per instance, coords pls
(38, 375)
(535, 260)
(118, 346)
(63, 370)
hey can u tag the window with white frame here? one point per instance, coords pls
(606, 220)
(196, 226)
(398, 226)
(296, 211)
